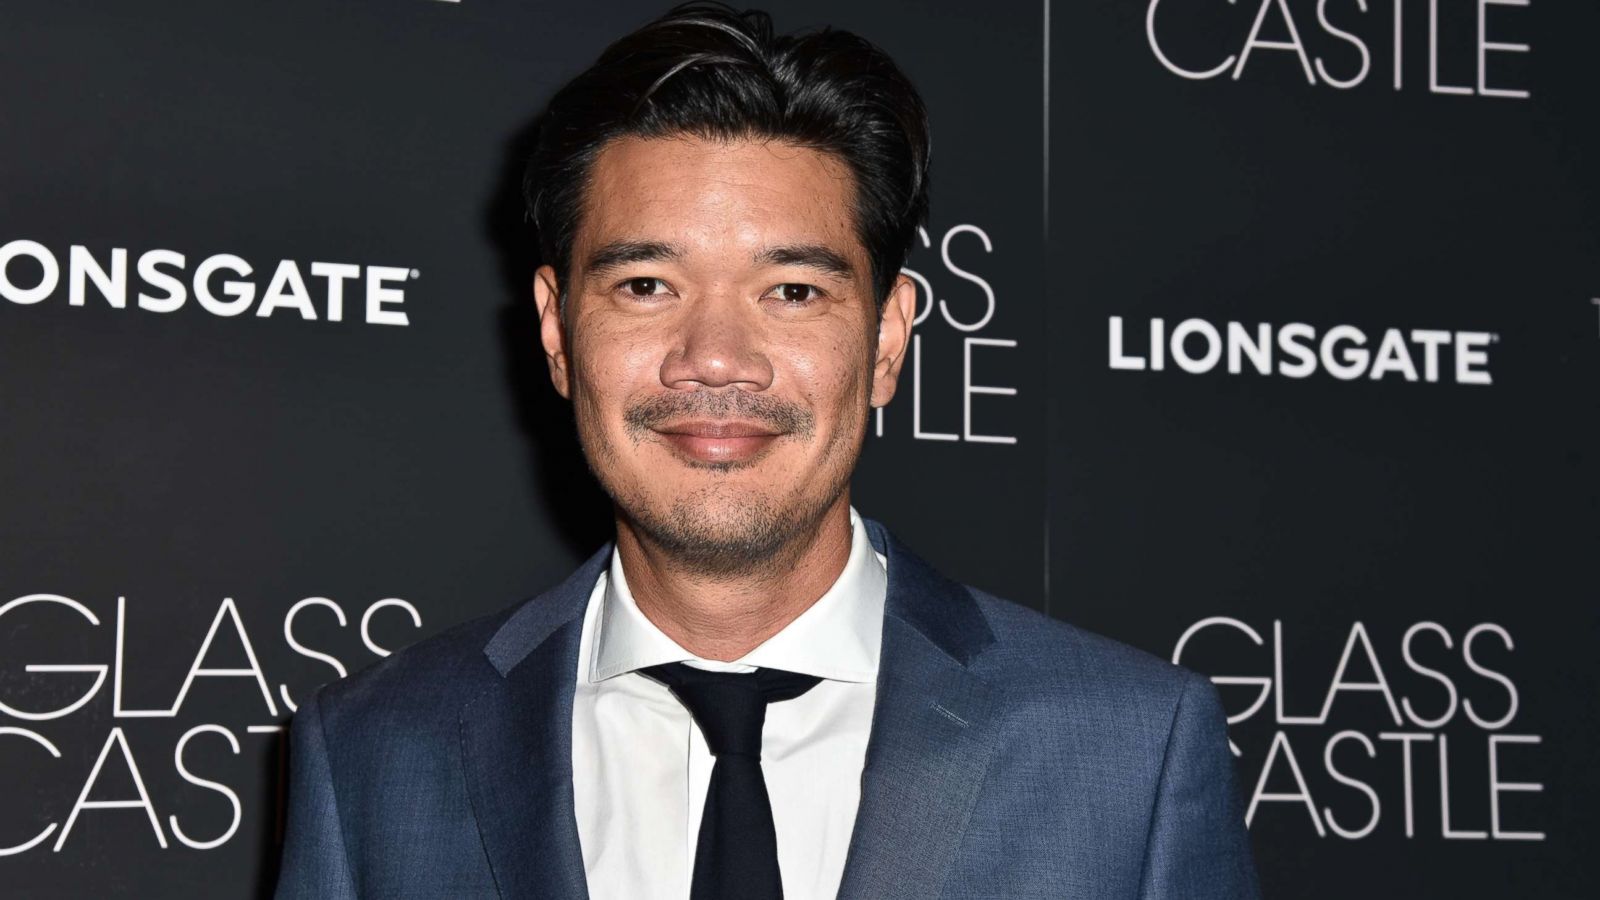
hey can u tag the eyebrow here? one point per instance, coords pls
(811, 256)
(621, 253)
(624, 252)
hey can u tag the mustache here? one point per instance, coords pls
(780, 415)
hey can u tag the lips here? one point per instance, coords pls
(710, 441)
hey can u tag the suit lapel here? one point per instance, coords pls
(934, 729)
(516, 740)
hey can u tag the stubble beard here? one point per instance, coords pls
(719, 531)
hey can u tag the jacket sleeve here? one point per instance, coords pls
(315, 864)
(1198, 845)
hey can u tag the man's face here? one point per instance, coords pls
(722, 346)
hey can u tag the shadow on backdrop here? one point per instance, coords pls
(562, 482)
(276, 798)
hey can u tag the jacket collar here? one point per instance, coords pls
(940, 610)
(527, 628)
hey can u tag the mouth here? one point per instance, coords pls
(715, 441)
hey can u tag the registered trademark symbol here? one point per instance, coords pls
(1493, 338)
(415, 274)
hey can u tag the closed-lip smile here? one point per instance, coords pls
(718, 441)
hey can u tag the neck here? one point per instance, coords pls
(723, 617)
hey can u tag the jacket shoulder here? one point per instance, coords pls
(422, 682)
(418, 691)
(1036, 655)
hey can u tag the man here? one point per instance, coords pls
(754, 692)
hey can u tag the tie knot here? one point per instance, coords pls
(731, 707)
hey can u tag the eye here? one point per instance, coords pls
(796, 294)
(643, 287)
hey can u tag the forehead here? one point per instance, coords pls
(713, 195)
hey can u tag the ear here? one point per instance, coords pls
(552, 333)
(894, 338)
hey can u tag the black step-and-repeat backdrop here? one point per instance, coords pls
(1261, 334)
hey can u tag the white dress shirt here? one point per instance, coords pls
(640, 766)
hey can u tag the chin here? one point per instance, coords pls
(720, 530)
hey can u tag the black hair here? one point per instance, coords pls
(706, 70)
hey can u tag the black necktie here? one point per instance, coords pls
(736, 854)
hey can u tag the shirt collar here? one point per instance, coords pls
(836, 638)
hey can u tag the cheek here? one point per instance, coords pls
(833, 376)
(613, 365)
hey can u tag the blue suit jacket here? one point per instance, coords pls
(1011, 756)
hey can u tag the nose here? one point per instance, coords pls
(718, 344)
